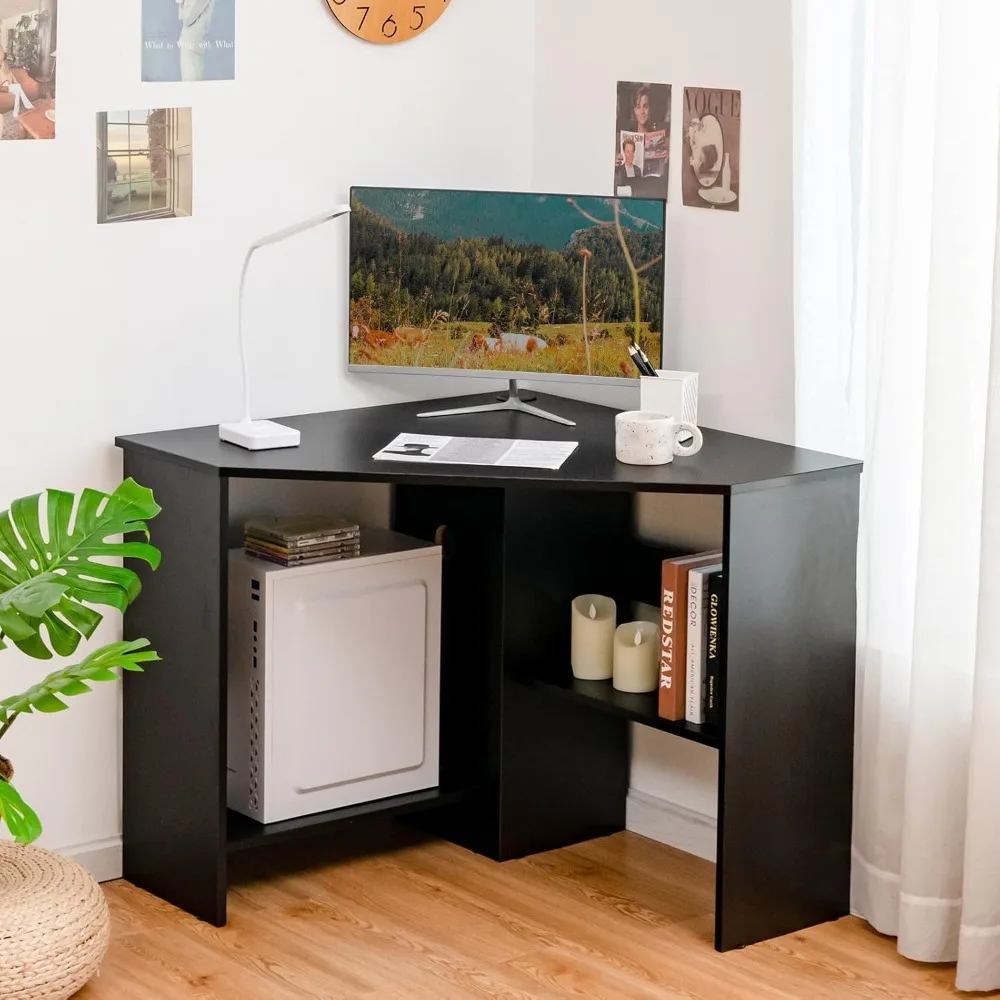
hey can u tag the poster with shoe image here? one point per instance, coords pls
(711, 168)
(28, 69)
(188, 41)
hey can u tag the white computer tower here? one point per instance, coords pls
(334, 678)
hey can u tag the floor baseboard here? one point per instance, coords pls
(671, 824)
(647, 815)
(102, 858)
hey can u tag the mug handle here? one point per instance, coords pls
(683, 450)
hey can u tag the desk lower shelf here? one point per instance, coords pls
(245, 833)
(641, 708)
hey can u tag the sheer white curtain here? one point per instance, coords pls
(897, 114)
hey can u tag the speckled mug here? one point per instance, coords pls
(646, 438)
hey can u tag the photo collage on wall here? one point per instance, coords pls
(146, 155)
(710, 163)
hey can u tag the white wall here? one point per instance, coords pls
(131, 327)
(729, 299)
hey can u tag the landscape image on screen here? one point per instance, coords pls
(482, 281)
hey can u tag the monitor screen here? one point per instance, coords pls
(489, 283)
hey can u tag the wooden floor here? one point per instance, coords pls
(621, 918)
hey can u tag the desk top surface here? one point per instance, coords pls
(340, 445)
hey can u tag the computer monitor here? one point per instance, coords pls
(481, 283)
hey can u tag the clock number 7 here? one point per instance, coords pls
(363, 16)
(419, 11)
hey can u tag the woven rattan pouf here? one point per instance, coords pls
(54, 924)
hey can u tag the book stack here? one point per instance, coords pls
(298, 541)
(692, 644)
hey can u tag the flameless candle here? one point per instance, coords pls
(636, 657)
(594, 619)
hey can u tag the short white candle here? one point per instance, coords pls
(636, 663)
(592, 654)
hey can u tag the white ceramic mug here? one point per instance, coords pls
(643, 437)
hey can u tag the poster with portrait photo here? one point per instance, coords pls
(643, 114)
(711, 169)
(28, 69)
(188, 41)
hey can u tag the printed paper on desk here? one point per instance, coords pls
(506, 452)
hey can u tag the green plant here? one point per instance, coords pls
(54, 549)
(25, 42)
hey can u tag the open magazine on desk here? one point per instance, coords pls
(509, 452)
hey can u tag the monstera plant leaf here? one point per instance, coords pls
(27, 603)
(69, 550)
(18, 816)
(101, 665)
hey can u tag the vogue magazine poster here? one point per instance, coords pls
(711, 169)
(642, 140)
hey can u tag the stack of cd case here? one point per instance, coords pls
(300, 540)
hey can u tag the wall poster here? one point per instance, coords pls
(711, 169)
(188, 40)
(144, 165)
(28, 69)
(642, 140)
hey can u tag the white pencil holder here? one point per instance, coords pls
(672, 393)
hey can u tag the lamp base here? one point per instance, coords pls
(260, 435)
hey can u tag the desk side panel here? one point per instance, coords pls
(787, 752)
(174, 763)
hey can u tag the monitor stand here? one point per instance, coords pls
(512, 402)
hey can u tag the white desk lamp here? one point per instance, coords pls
(260, 435)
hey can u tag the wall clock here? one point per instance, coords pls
(387, 21)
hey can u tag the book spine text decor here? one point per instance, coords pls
(674, 632)
(671, 699)
(696, 612)
(715, 646)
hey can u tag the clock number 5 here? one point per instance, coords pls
(419, 11)
(385, 24)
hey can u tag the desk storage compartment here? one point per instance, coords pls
(334, 679)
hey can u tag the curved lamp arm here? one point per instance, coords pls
(278, 237)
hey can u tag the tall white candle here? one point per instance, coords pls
(593, 639)
(636, 663)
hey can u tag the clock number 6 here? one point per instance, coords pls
(389, 20)
(419, 11)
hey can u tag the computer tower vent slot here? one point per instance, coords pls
(254, 762)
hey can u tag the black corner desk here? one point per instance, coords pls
(530, 759)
